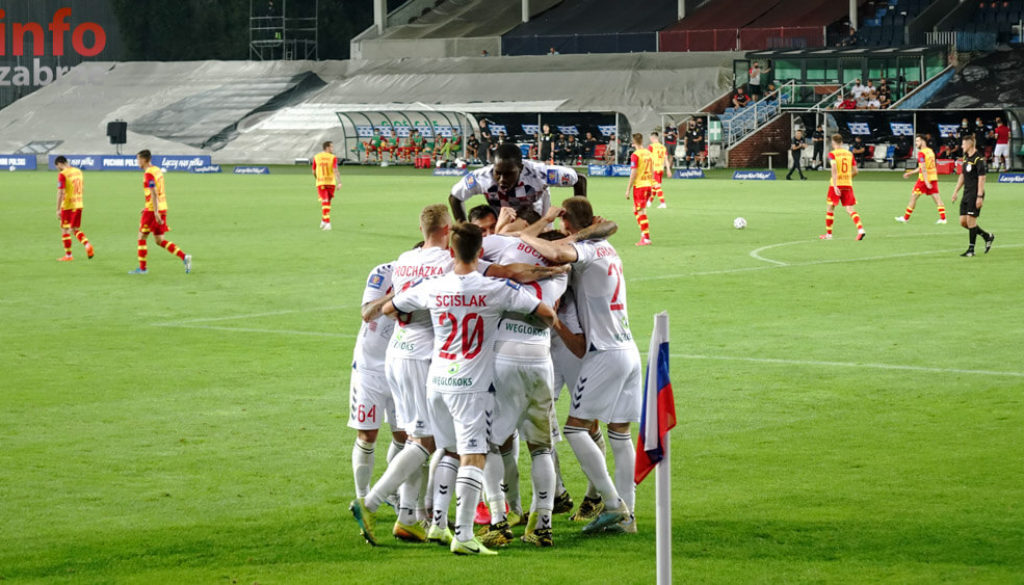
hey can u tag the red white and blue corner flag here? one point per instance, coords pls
(659, 407)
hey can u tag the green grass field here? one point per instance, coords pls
(849, 412)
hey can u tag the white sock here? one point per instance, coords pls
(494, 471)
(559, 484)
(394, 449)
(542, 475)
(625, 462)
(510, 461)
(598, 439)
(593, 464)
(409, 461)
(428, 496)
(409, 496)
(444, 485)
(468, 483)
(362, 466)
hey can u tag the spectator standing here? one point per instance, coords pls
(560, 149)
(754, 83)
(796, 150)
(858, 89)
(981, 132)
(818, 139)
(671, 139)
(1002, 152)
(547, 144)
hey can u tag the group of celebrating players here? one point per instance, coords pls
(471, 366)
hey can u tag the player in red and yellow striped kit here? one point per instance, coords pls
(927, 181)
(840, 189)
(69, 207)
(325, 169)
(641, 177)
(661, 165)
(154, 214)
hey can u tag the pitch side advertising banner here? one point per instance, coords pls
(128, 162)
(620, 170)
(1017, 178)
(598, 170)
(753, 176)
(252, 170)
(18, 162)
(688, 174)
(450, 172)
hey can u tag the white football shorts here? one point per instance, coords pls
(609, 387)
(407, 379)
(462, 420)
(370, 401)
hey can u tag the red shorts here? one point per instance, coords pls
(658, 176)
(920, 188)
(149, 224)
(841, 195)
(325, 192)
(640, 196)
(71, 218)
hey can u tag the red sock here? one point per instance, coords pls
(81, 237)
(325, 210)
(66, 240)
(170, 247)
(942, 212)
(830, 218)
(906, 215)
(661, 194)
(142, 254)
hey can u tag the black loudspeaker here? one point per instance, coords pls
(118, 132)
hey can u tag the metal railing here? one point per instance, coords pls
(754, 116)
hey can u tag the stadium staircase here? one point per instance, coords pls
(749, 131)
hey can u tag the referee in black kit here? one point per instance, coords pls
(972, 179)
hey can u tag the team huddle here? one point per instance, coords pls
(471, 367)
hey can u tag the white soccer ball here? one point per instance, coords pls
(11, 169)
(739, 223)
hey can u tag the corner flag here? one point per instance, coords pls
(659, 413)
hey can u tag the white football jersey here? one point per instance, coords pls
(465, 310)
(531, 190)
(510, 250)
(570, 319)
(413, 335)
(373, 338)
(600, 290)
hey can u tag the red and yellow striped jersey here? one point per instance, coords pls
(324, 167)
(927, 156)
(70, 180)
(642, 161)
(844, 163)
(658, 154)
(153, 184)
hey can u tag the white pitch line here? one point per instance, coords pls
(254, 330)
(800, 264)
(249, 316)
(875, 366)
(755, 254)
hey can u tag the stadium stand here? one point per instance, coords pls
(446, 28)
(286, 119)
(754, 25)
(592, 26)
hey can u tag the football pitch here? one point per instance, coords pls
(849, 412)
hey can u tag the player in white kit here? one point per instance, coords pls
(406, 363)
(523, 400)
(514, 182)
(608, 388)
(370, 401)
(466, 308)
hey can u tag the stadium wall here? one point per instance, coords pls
(31, 60)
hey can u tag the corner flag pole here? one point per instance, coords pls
(663, 471)
(659, 415)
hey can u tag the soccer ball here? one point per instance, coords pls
(739, 223)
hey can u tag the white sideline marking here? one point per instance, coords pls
(254, 330)
(875, 366)
(197, 323)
